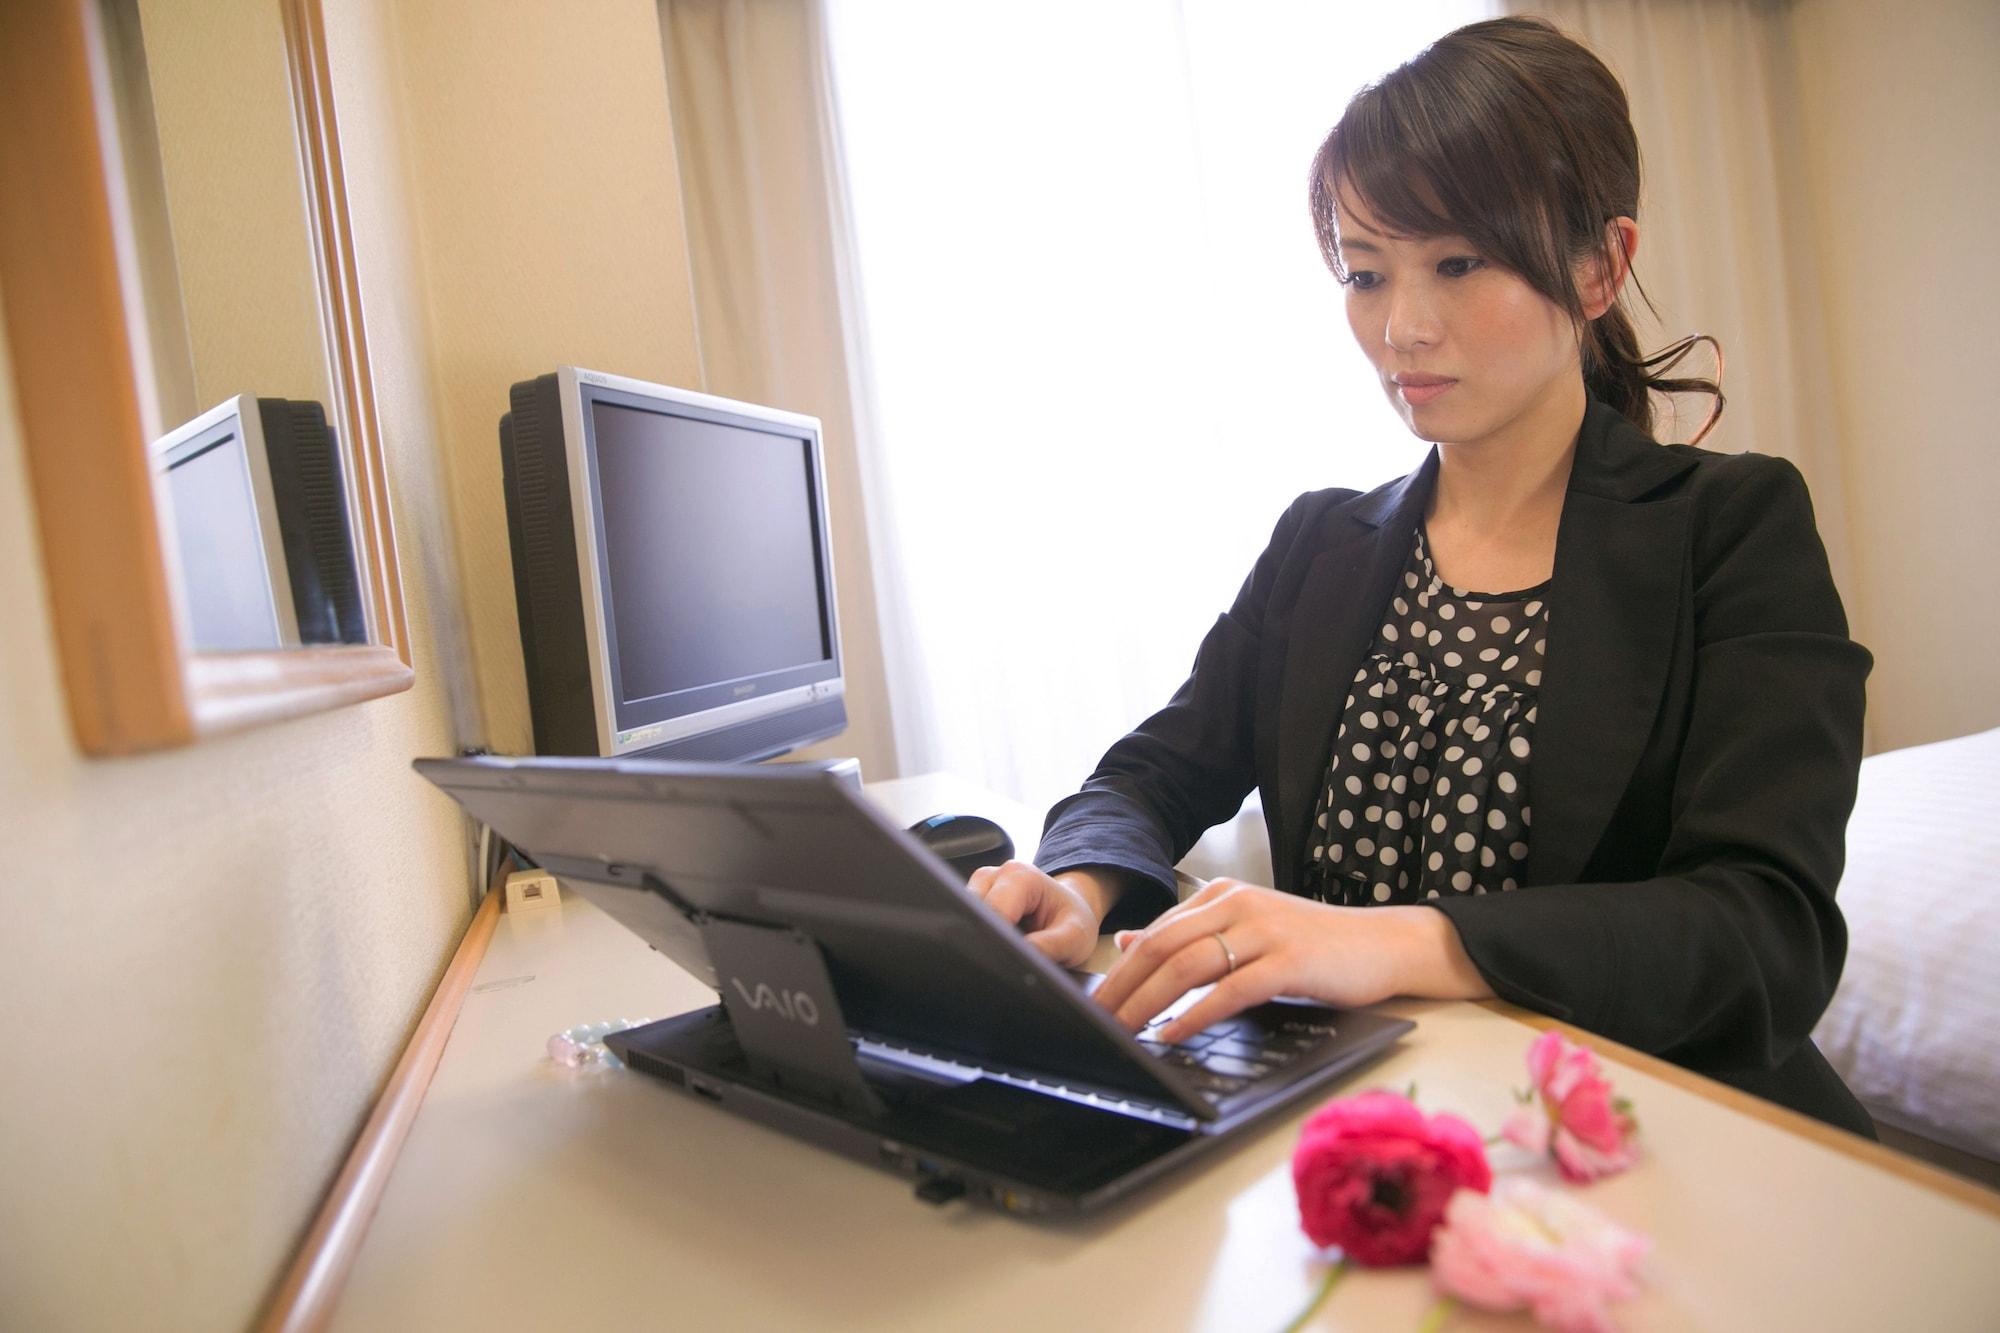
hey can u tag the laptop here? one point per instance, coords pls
(870, 1004)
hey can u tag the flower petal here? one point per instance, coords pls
(1528, 1128)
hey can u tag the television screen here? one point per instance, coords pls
(710, 551)
(673, 573)
(218, 532)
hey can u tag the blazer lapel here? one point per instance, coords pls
(1614, 609)
(1338, 609)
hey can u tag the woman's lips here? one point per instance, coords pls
(1416, 390)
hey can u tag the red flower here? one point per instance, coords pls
(1373, 1175)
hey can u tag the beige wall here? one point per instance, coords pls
(213, 957)
(543, 169)
(1901, 123)
(235, 201)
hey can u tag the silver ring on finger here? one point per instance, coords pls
(1228, 954)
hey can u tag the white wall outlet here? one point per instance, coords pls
(531, 891)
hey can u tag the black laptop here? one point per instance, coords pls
(870, 1004)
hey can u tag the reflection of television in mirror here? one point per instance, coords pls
(671, 569)
(258, 516)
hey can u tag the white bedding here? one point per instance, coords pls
(1240, 847)
(1915, 1025)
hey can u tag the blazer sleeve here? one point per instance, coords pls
(1726, 958)
(1188, 766)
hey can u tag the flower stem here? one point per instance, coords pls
(1438, 1314)
(1334, 1273)
(1495, 1140)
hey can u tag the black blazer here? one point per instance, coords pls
(1695, 753)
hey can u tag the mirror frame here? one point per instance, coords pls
(77, 339)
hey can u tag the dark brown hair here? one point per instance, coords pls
(1516, 137)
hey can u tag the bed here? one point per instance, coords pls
(1914, 1027)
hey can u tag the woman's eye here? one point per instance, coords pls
(1364, 280)
(1458, 265)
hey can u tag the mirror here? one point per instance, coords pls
(249, 475)
(184, 328)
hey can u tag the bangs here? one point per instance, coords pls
(1377, 171)
(1429, 151)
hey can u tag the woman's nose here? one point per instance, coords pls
(1412, 322)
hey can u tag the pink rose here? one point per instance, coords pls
(1526, 1247)
(1591, 1132)
(1373, 1175)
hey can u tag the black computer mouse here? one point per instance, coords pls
(965, 842)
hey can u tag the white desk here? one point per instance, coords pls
(530, 1196)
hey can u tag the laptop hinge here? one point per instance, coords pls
(780, 1002)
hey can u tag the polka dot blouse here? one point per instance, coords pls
(1426, 791)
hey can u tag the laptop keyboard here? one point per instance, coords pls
(1258, 1046)
(1237, 1052)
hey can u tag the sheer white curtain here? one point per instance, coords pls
(1726, 233)
(1103, 352)
(769, 260)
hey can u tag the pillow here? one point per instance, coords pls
(1914, 1027)
(1239, 848)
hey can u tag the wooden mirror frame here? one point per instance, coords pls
(77, 339)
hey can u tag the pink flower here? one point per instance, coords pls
(1591, 1132)
(1373, 1175)
(1526, 1247)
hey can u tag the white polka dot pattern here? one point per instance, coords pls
(1391, 829)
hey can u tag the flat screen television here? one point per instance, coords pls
(258, 537)
(672, 571)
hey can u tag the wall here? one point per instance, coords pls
(1901, 126)
(544, 175)
(213, 957)
(236, 202)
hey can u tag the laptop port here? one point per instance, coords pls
(707, 1090)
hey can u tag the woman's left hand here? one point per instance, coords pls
(1280, 944)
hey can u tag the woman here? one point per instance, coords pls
(1613, 790)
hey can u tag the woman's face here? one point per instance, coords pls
(1467, 351)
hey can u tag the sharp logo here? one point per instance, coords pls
(793, 1006)
(742, 690)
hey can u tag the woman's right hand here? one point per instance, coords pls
(1060, 915)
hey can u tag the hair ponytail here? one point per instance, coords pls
(1612, 369)
(1618, 374)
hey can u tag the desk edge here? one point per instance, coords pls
(1936, 1179)
(312, 1285)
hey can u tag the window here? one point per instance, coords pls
(1105, 353)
